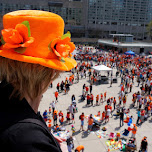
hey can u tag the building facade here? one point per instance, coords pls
(92, 18)
(120, 17)
(72, 11)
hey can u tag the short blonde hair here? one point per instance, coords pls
(26, 78)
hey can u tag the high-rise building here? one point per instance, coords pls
(119, 16)
(72, 11)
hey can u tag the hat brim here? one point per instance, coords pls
(51, 63)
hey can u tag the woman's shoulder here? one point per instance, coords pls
(29, 136)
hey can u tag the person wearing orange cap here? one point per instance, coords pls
(80, 148)
(144, 145)
(30, 61)
(55, 117)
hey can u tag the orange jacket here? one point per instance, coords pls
(90, 121)
(105, 94)
(56, 94)
(60, 113)
(134, 130)
(103, 115)
(97, 98)
(62, 119)
(98, 114)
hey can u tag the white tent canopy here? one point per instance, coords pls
(102, 68)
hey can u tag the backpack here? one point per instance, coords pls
(80, 117)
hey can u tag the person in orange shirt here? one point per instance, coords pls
(91, 99)
(134, 130)
(95, 80)
(56, 95)
(90, 122)
(68, 117)
(105, 95)
(103, 116)
(98, 114)
(101, 98)
(80, 148)
(57, 128)
(106, 107)
(49, 124)
(58, 87)
(97, 100)
(124, 100)
(88, 100)
(87, 89)
(70, 80)
(60, 113)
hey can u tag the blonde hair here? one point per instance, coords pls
(26, 78)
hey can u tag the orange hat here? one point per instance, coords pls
(37, 37)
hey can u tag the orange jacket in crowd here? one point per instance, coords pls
(98, 114)
(103, 115)
(60, 114)
(105, 94)
(134, 130)
(97, 98)
(56, 94)
(90, 121)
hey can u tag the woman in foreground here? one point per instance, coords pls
(33, 52)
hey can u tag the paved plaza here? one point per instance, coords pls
(90, 140)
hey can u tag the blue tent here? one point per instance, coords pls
(129, 52)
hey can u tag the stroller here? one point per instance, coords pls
(74, 106)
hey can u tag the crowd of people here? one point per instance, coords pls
(128, 68)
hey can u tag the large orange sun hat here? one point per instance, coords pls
(37, 37)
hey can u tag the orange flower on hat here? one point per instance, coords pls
(18, 37)
(62, 47)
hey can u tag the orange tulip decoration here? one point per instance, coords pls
(62, 46)
(18, 39)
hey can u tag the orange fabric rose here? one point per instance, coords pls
(18, 37)
(62, 47)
